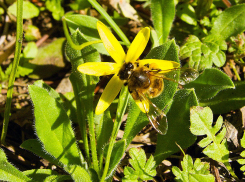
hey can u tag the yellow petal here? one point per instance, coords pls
(98, 68)
(109, 94)
(163, 65)
(143, 105)
(138, 45)
(111, 44)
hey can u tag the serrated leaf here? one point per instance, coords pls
(178, 121)
(9, 172)
(142, 170)
(53, 127)
(209, 83)
(227, 100)
(201, 125)
(203, 54)
(242, 161)
(136, 119)
(197, 172)
(163, 13)
(230, 22)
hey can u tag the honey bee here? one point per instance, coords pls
(145, 81)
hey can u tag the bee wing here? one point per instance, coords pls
(156, 116)
(178, 75)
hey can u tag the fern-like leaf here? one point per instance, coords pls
(192, 172)
(215, 145)
(242, 161)
(141, 170)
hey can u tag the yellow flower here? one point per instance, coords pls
(116, 51)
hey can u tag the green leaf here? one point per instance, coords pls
(203, 54)
(69, 104)
(178, 130)
(203, 7)
(116, 156)
(55, 7)
(136, 119)
(80, 4)
(87, 25)
(46, 175)
(162, 13)
(29, 53)
(78, 173)
(230, 22)
(53, 127)
(142, 170)
(227, 100)
(49, 60)
(29, 10)
(186, 13)
(9, 172)
(103, 128)
(242, 161)
(209, 83)
(194, 173)
(36, 147)
(215, 145)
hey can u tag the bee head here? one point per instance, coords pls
(126, 71)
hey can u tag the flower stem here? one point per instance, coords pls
(80, 116)
(91, 125)
(119, 32)
(19, 38)
(123, 100)
(69, 40)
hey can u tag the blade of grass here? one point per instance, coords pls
(119, 32)
(19, 37)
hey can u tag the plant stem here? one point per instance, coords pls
(234, 70)
(69, 40)
(80, 116)
(110, 21)
(123, 100)
(19, 37)
(91, 125)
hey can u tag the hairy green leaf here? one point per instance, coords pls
(9, 172)
(53, 127)
(36, 147)
(199, 171)
(116, 156)
(141, 169)
(209, 83)
(163, 13)
(78, 173)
